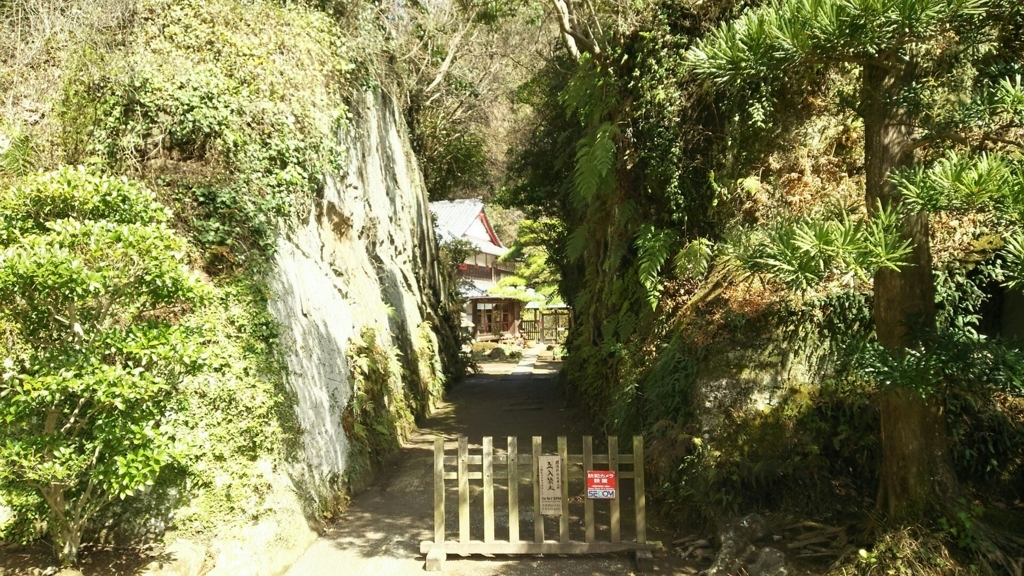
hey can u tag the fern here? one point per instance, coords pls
(577, 242)
(694, 260)
(18, 158)
(595, 156)
(654, 247)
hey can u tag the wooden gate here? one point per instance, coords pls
(512, 466)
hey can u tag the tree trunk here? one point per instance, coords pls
(66, 547)
(916, 471)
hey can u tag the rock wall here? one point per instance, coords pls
(364, 257)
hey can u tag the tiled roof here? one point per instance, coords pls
(454, 217)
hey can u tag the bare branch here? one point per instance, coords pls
(565, 26)
(452, 47)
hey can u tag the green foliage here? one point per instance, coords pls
(452, 254)
(654, 247)
(27, 522)
(236, 420)
(811, 33)
(85, 408)
(802, 433)
(430, 368)
(963, 183)
(377, 418)
(809, 252)
(482, 352)
(963, 529)
(1015, 261)
(694, 261)
(536, 277)
(230, 110)
(453, 156)
(77, 193)
(454, 66)
(17, 155)
(956, 360)
(595, 158)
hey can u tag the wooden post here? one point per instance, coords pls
(538, 519)
(439, 491)
(513, 489)
(638, 489)
(588, 504)
(488, 474)
(464, 489)
(613, 465)
(563, 520)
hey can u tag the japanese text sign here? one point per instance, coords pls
(550, 485)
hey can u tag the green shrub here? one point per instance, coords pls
(84, 409)
(237, 420)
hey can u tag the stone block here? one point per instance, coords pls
(435, 559)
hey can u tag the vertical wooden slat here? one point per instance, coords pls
(538, 520)
(463, 489)
(638, 489)
(439, 490)
(513, 489)
(613, 465)
(563, 520)
(488, 474)
(588, 504)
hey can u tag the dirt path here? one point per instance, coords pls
(379, 534)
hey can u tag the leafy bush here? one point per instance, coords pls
(97, 300)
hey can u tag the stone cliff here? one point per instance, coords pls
(365, 257)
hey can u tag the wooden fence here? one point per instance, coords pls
(487, 466)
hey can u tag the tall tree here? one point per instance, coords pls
(905, 58)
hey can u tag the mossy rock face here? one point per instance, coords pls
(750, 381)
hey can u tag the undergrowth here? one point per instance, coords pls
(378, 416)
(230, 111)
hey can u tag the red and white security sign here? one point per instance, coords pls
(600, 484)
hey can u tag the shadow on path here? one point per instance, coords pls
(379, 534)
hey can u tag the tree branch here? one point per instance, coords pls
(574, 41)
(452, 47)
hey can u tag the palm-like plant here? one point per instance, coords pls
(903, 54)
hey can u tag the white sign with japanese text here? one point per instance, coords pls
(550, 485)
